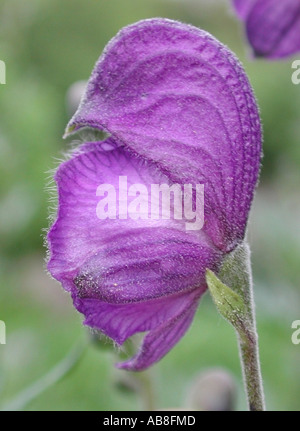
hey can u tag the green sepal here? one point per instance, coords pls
(229, 303)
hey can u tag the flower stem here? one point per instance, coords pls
(251, 370)
(248, 340)
(232, 292)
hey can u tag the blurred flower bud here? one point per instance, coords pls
(74, 95)
(126, 382)
(212, 390)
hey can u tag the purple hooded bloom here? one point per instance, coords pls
(178, 109)
(272, 26)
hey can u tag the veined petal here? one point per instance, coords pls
(126, 275)
(176, 96)
(121, 321)
(160, 340)
(117, 260)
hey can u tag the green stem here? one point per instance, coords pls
(251, 370)
(232, 293)
(248, 340)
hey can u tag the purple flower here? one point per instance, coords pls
(179, 110)
(272, 26)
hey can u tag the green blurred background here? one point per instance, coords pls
(47, 46)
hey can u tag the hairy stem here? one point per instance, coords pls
(248, 345)
(236, 273)
(251, 370)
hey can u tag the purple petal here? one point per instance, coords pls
(121, 321)
(165, 319)
(125, 276)
(273, 27)
(176, 96)
(160, 340)
(120, 260)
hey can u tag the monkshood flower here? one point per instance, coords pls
(272, 26)
(178, 109)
